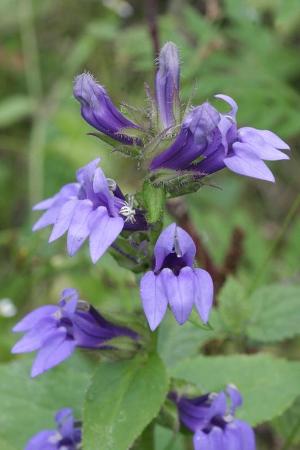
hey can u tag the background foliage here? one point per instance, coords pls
(248, 49)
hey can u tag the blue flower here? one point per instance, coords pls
(213, 422)
(99, 111)
(174, 281)
(209, 141)
(66, 436)
(93, 208)
(167, 84)
(54, 331)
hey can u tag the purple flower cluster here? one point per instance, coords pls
(207, 141)
(93, 207)
(55, 331)
(213, 422)
(174, 281)
(67, 435)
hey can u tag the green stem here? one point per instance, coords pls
(289, 218)
(34, 86)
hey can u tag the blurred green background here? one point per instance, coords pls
(248, 49)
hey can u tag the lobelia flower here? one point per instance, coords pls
(167, 83)
(99, 111)
(54, 331)
(214, 138)
(213, 421)
(174, 281)
(67, 435)
(93, 207)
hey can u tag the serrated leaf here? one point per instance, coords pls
(154, 199)
(28, 405)
(275, 313)
(122, 400)
(269, 385)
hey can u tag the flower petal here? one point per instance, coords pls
(64, 219)
(231, 437)
(154, 298)
(48, 218)
(180, 292)
(235, 397)
(104, 231)
(174, 238)
(31, 319)
(65, 421)
(249, 134)
(167, 83)
(263, 151)
(44, 204)
(247, 436)
(204, 293)
(55, 350)
(230, 101)
(164, 245)
(202, 442)
(34, 338)
(79, 229)
(245, 163)
(42, 441)
(100, 187)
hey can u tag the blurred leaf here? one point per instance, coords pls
(275, 313)
(165, 439)
(14, 109)
(176, 343)
(234, 308)
(122, 400)
(268, 385)
(29, 405)
(288, 425)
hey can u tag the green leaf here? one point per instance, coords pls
(122, 400)
(14, 109)
(234, 308)
(29, 405)
(167, 440)
(177, 343)
(275, 313)
(288, 425)
(268, 385)
(154, 199)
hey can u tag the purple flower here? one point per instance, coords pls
(212, 421)
(208, 141)
(167, 83)
(192, 139)
(67, 435)
(55, 331)
(99, 111)
(93, 207)
(173, 280)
